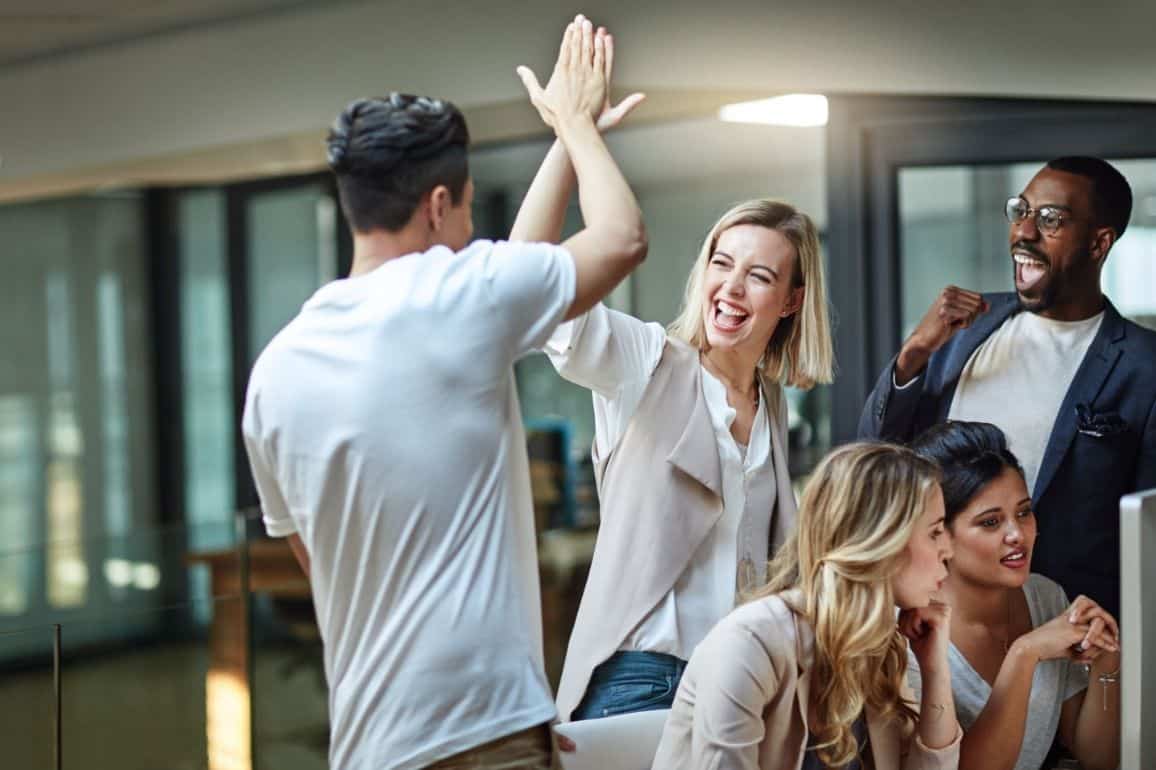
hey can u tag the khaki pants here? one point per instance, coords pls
(527, 750)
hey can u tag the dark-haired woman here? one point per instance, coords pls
(1019, 650)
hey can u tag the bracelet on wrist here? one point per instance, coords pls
(1105, 679)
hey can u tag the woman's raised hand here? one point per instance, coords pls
(578, 86)
(611, 116)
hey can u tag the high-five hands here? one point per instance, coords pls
(611, 116)
(580, 83)
(578, 86)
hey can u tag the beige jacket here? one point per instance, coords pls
(742, 703)
(661, 494)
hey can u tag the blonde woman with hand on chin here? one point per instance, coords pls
(690, 443)
(811, 674)
(1017, 645)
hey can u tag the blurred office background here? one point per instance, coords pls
(164, 210)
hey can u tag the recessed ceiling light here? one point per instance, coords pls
(788, 110)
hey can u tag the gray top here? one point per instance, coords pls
(1053, 683)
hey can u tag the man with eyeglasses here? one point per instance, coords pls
(1071, 382)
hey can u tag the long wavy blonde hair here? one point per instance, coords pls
(800, 352)
(858, 513)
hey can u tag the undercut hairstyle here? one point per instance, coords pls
(389, 152)
(970, 456)
(1111, 193)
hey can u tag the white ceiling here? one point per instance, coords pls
(669, 153)
(191, 75)
(777, 161)
(35, 28)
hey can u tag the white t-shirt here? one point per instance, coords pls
(383, 427)
(615, 355)
(1053, 682)
(1018, 378)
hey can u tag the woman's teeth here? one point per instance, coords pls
(1015, 559)
(731, 310)
(728, 316)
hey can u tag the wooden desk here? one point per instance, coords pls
(228, 712)
(563, 559)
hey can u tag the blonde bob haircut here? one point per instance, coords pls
(799, 352)
(858, 512)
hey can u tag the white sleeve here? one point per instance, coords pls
(274, 510)
(605, 350)
(906, 385)
(531, 286)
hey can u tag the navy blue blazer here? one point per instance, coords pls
(1102, 445)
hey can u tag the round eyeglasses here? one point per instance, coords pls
(1048, 219)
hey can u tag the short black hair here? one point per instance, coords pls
(1111, 193)
(970, 456)
(389, 152)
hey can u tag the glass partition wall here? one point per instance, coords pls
(953, 231)
(131, 594)
(916, 189)
(76, 411)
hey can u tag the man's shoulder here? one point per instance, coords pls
(511, 248)
(273, 352)
(1141, 339)
(517, 263)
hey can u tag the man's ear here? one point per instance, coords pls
(440, 203)
(1102, 240)
(794, 302)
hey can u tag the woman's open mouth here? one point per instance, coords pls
(727, 317)
(1016, 559)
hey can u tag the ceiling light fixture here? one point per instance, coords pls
(788, 110)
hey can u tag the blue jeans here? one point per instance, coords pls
(630, 681)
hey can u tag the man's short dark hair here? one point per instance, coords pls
(1111, 193)
(389, 152)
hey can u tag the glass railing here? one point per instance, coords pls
(174, 648)
(28, 706)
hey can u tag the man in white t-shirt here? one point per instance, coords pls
(385, 438)
(1069, 381)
